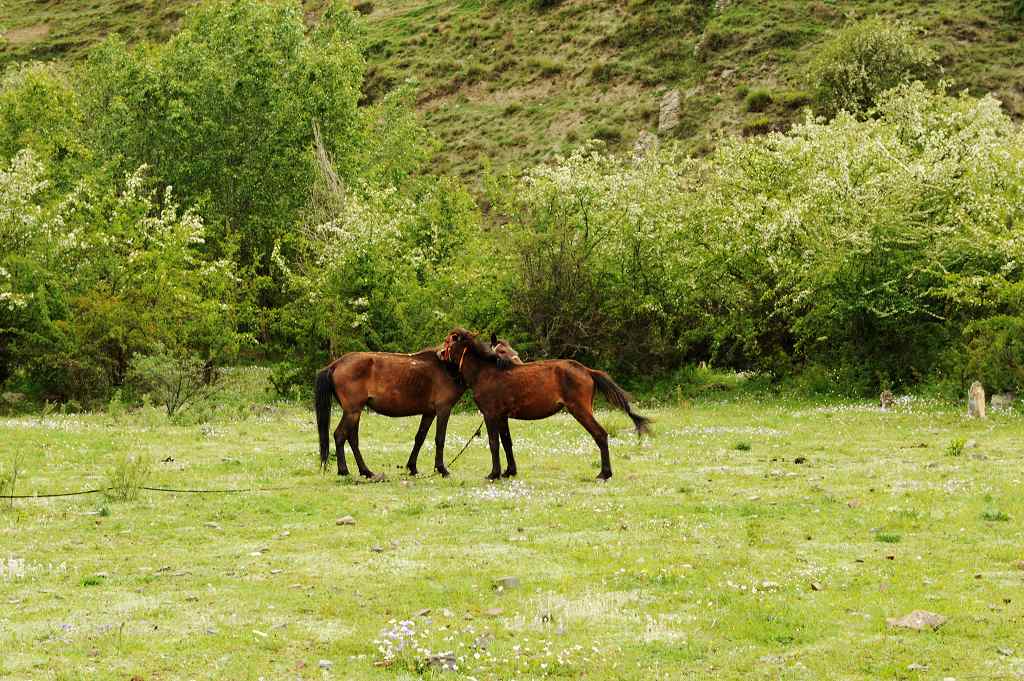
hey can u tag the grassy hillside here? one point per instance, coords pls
(506, 81)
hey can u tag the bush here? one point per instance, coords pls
(174, 382)
(126, 476)
(113, 269)
(864, 60)
(995, 352)
(757, 100)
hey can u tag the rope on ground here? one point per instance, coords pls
(151, 489)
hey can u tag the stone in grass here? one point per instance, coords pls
(918, 620)
(1019, 564)
(1005, 652)
(445, 662)
(493, 612)
(377, 549)
(326, 664)
(345, 520)
(422, 613)
(505, 583)
(916, 667)
(816, 586)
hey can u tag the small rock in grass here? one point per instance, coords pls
(422, 613)
(259, 633)
(276, 571)
(918, 620)
(504, 583)
(1005, 652)
(915, 667)
(483, 641)
(800, 459)
(445, 662)
(493, 612)
(211, 525)
(816, 586)
(854, 503)
(447, 613)
(377, 549)
(1019, 564)
(970, 444)
(326, 664)
(345, 520)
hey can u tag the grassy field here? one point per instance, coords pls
(751, 538)
(501, 82)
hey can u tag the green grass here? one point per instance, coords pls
(696, 560)
(501, 82)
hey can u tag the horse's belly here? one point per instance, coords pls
(396, 408)
(534, 413)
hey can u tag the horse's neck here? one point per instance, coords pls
(473, 367)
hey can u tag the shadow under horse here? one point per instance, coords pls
(533, 391)
(391, 384)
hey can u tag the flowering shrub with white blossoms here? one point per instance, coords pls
(99, 275)
(868, 245)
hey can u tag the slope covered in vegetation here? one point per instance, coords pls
(514, 81)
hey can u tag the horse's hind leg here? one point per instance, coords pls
(353, 439)
(585, 415)
(506, 443)
(493, 430)
(340, 436)
(439, 435)
(421, 435)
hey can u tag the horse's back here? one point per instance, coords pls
(394, 384)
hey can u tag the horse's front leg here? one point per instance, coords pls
(421, 435)
(439, 435)
(506, 443)
(493, 433)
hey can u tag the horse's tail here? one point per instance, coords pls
(619, 398)
(323, 395)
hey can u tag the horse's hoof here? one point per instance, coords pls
(413, 471)
(495, 475)
(510, 473)
(443, 472)
(369, 475)
(604, 475)
(342, 472)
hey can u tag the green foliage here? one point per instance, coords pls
(956, 447)
(224, 113)
(173, 381)
(126, 475)
(864, 60)
(40, 111)
(757, 100)
(995, 351)
(110, 270)
(11, 468)
(863, 247)
(994, 516)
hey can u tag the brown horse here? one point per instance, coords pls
(535, 390)
(393, 385)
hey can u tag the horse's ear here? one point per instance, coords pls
(494, 339)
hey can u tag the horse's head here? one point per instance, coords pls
(460, 342)
(504, 353)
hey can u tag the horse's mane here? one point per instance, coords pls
(481, 349)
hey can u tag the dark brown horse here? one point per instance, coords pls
(393, 385)
(535, 390)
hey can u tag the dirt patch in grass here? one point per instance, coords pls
(28, 34)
